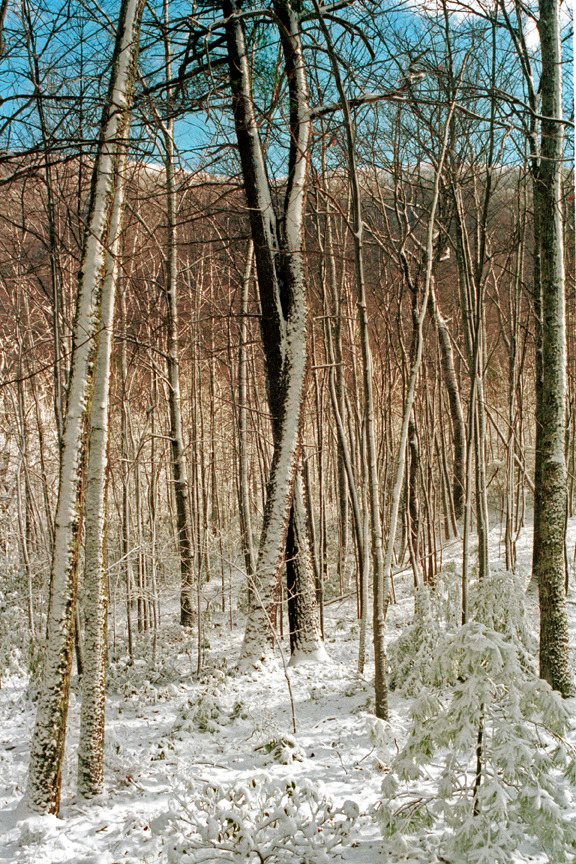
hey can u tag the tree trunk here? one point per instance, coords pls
(454, 401)
(280, 270)
(181, 497)
(380, 580)
(243, 476)
(549, 540)
(305, 633)
(47, 748)
(125, 545)
(92, 717)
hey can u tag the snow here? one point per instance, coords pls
(300, 657)
(170, 736)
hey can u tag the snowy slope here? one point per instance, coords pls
(171, 736)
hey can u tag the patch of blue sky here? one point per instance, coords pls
(376, 42)
(55, 54)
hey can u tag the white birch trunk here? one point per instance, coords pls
(48, 741)
(92, 717)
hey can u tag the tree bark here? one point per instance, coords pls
(48, 741)
(280, 269)
(305, 639)
(243, 476)
(454, 401)
(179, 476)
(92, 716)
(549, 540)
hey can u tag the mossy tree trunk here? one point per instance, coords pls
(278, 253)
(549, 559)
(92, 716)
(48, 741)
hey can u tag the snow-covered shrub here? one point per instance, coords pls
(283, 750)
(17, 649)
(262, 821)
(238, 712)
(209, 715)
(435, 611)
(498, 601)
(382, 736)
(159, 662)
(486, 767)
(206, 712)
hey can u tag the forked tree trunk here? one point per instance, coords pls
(550, 537)
(48, 741)
(280, 271)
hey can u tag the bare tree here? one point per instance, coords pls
(47, 749)
(280, 269)
(380, 579)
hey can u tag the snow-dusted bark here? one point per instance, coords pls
(280, 271)
(47, 747)
(305, 636)
(279, 496)
(549, 559)
(92, 717)
(303, 613)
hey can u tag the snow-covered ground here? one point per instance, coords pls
(172, 736)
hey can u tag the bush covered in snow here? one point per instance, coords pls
(159, 661)
(261, 821)
(282, 750)
(19, 652)
(497, 601)
(486, 767)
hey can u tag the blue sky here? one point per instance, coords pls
(74, 42)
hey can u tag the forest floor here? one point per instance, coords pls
(172, 736)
